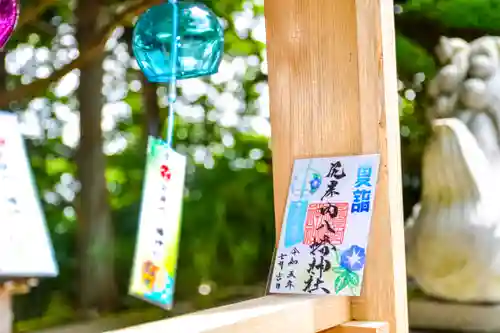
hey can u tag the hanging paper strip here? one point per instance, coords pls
(25, 246)
(322, 249)
(154, 268)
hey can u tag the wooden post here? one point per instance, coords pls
(333, 91)
(7, 290)
(5, 311)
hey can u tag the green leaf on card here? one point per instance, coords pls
(353, 278)
(339, 270)
(341, 282)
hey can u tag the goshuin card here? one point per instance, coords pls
(322, 247)
(25, 246)
(155, 262)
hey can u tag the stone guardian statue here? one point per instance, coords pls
(453, 237)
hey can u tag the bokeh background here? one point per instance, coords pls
(87, 110)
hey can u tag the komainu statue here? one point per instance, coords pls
(453, 237)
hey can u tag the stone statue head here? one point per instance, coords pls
(468, 88)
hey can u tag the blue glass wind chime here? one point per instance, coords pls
(171, 41)
(175, 41)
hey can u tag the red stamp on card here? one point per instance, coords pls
(326, 220)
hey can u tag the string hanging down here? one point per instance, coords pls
(172, 86)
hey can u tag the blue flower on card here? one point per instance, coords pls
(353, 259)
(315, 183)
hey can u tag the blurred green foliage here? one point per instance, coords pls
(482, 14)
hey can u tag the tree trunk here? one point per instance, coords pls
(3, 80)
(97, 290)
(151, 116)
(152, 120)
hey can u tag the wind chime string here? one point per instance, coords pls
(172, 85)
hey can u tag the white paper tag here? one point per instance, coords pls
(25, 246)
(155, 261)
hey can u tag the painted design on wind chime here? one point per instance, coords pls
(171, 41)
(149, 274)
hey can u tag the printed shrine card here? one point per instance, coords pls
(323, 240)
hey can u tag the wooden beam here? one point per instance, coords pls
(333, 91)
(270, 314)
(360, 327)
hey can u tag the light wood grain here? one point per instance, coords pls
(384, 289)
(270, 314)
(361, 327)
(332, 81)
(5, 311)
(313, 84)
